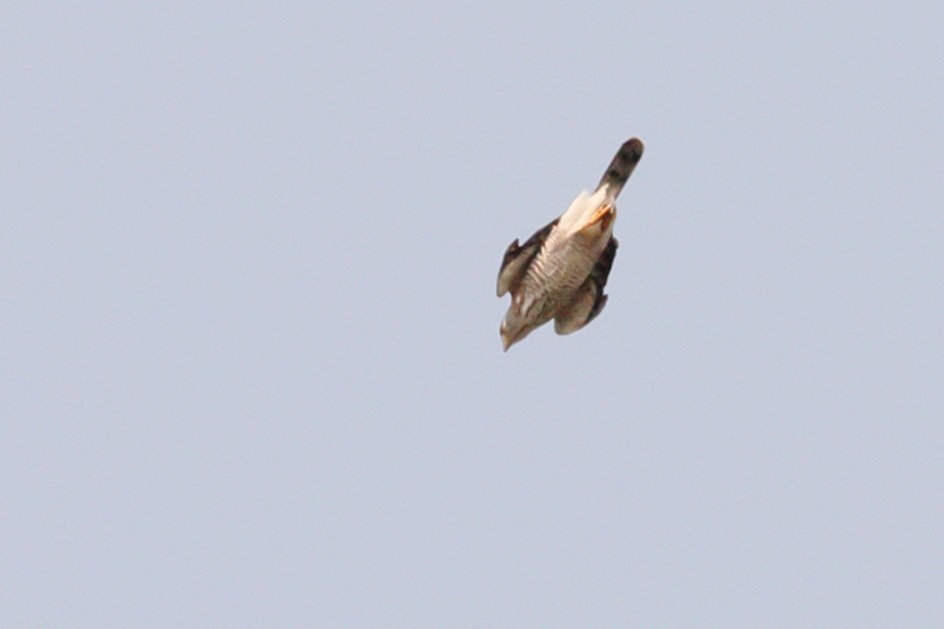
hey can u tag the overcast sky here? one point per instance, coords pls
(251, 368)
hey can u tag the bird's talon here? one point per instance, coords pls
(604, 214)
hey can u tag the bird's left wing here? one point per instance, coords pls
(517, 258)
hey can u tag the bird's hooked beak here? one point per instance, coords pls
(507, 339)
(510, 337)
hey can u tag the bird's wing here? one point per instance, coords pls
(589, 300)
(622, 166)
(517, 258)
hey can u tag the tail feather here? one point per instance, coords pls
(619, 170)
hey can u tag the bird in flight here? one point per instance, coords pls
(560, 272)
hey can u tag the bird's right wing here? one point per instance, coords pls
(517, 258)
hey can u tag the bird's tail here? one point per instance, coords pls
(622, 166)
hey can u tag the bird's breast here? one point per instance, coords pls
(561, 266)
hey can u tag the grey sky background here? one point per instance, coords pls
(252, 373)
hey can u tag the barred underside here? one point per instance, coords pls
(561, 267)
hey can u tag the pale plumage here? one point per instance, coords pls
(560, 272)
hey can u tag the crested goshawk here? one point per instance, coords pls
(560, 272)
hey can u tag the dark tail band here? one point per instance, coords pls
(619, 170)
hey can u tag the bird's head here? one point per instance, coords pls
(511, 334)
(506, 337)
